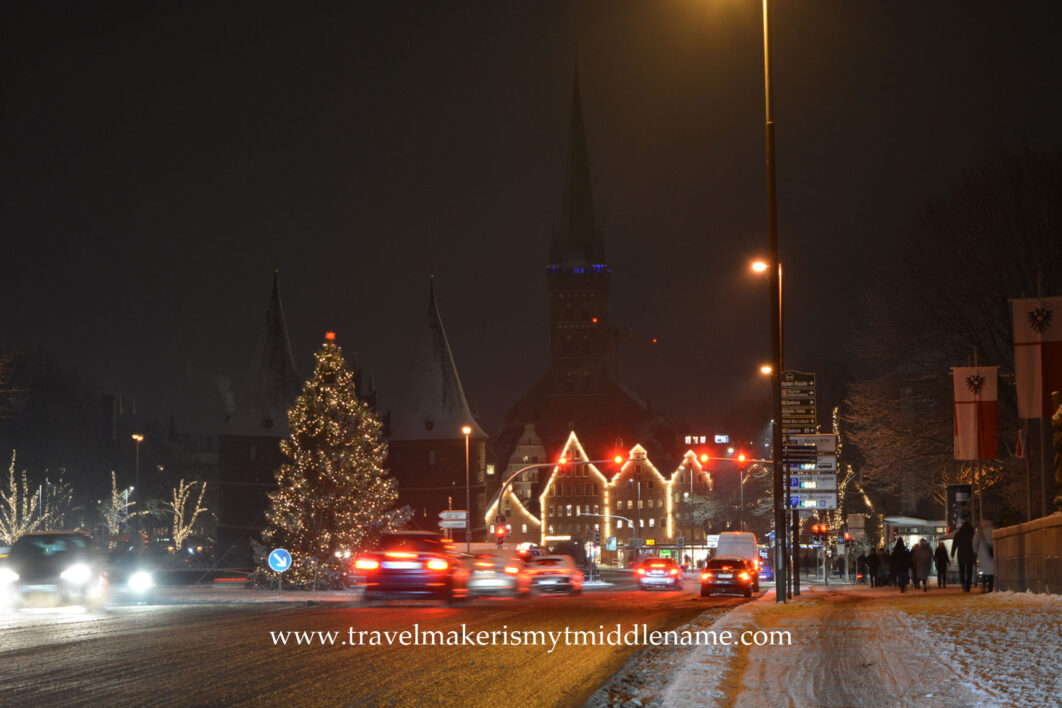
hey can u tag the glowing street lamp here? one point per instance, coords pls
(466, 431)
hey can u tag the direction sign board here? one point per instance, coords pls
(798, 379)
(452, 524)
(798, 429)
(824, 443)
(453, 515)
(279, 560)
(813, 500)
(813, 482)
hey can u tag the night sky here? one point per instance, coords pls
(159, 158)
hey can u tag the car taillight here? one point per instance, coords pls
(640, 571)
(657, 565)
(400, 554)
(484, 564)
(673, 571)
(512, 569)
(706, 576)
(366, 564)
(436, 564)
(743, 575)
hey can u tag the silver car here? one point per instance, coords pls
(498, 573)
(556, 574)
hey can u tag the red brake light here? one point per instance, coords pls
(743, 575)
(484, 564)
(706, 576)
(366, 564)
(641, 571)
(673, 571)
(436, 564)
(512, 569)
(400, 554)
(657, 565)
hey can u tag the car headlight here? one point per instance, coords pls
(7, 576)
(77, 574)
(141, 581)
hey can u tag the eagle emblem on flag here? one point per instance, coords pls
(975, 383)
(1040, 319)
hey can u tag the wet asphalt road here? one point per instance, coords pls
(225, 654)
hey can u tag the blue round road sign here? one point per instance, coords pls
(279, 560)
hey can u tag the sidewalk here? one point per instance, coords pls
(856, 646)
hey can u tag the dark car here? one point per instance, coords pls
(728, 574)
(659, 573)
(412, 565)
(53, 568)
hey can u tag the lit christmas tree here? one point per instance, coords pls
(334, 498)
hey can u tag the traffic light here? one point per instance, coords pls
(597, 536)
(500, 532)
(705, 458)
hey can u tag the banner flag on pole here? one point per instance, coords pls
(1037, 353)
(976, 402)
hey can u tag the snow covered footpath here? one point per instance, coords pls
(853, 646)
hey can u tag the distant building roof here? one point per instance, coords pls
(271, 384)
(434, 407)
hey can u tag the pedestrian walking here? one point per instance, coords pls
(874, 567)
(983, 548)
(963, 546)
(922, 563)
(885, 576)
(940, 557)
(901, 564)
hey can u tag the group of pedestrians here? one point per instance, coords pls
(902, 565)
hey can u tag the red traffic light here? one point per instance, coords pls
(741, 457)
(618, 459)
(705, 457)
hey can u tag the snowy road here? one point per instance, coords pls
(225, 654)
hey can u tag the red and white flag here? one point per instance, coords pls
(1037, 353)
(976, 400)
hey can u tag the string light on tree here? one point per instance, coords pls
(334, 497)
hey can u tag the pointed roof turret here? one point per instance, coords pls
(271, 384)
(577, 241)
(435, 407)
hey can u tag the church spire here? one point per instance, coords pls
(271, 384)
(435, 406)
(577, 241)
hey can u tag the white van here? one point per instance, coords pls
(743, 544)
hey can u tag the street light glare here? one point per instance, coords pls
(759, 266)
(766, 369)
(467, 430)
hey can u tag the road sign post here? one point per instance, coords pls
(279, 561)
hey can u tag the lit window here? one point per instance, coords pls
(619, 523)
(650, 503)
(523, 528)
(641, 504)
(630, 504)
(652, 523)
(641, 523)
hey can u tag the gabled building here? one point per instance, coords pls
(249, 444)
(642, 509)
(426, 449)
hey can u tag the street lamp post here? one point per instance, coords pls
(466, 431)
(776, 314)
(138, 438)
